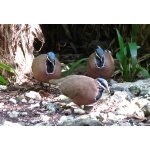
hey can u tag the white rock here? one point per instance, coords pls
(24, 113)
(32, 106)
(24, 100)
(44, 117)
(8, 123)
(79, 111)
(1, 105)
(33, 95)
(65, 118)
(31, 101)
(13, 114)
(112, 116)
(13, 100)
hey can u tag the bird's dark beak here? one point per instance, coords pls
(107, 90)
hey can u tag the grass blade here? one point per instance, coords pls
(146, 73)
(73, 66)
(8, 68)
(133, 52)
(3, 81)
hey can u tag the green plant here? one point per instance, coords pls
(3, 81)
(127, 56)
(73, 66)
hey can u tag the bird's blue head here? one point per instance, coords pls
(99, 52)
(99, 57)
(51, 57)
(103, 83)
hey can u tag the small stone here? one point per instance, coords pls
(32, 106)
(121, 111)
(31, 101)
(140, 113)
(52, 107)
(20, 97)
(146, 109)
(3, 87)
(42, 124)
(24, 100)
(94, 115)
(83, 117)
(44, 118)
(79, 111)
(146, 96)
(8, 123)
(1, 105)
(13, 100)
(67, 111)
(64, 118)
(112, 116)
(23, 113)
(144, 92)
(44, 103)
(122, 124)
(70, 104)
(33, 95)
(82, 122)
(13, 114)
(62, 97)
(135, 90)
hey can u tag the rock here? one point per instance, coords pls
(32, 106)
(13, 114)
(44, 123)
(122, 124)
(120, 97)
(63, 97)
(65, 118)
(20, 97)
(8, 123)
(112, 116)
(81, 122)
(52, 107)
(33, 95)
(23, 114)
(44, 103)
(79, 111)
(146, 109)
(133, 88)
(1, 105)
(44, 117)
(31, 101)
(13, 100)
(67, 112)
(3, 87)
(24, 100)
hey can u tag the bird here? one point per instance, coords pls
(100, 64)
(46, 67)
(81, 89)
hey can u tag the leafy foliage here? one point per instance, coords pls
(73, 66)
(3, 81)
(127, 56)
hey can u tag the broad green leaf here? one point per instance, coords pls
(121, 43)
(3, 81)
(133, 52)
(8, 68)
